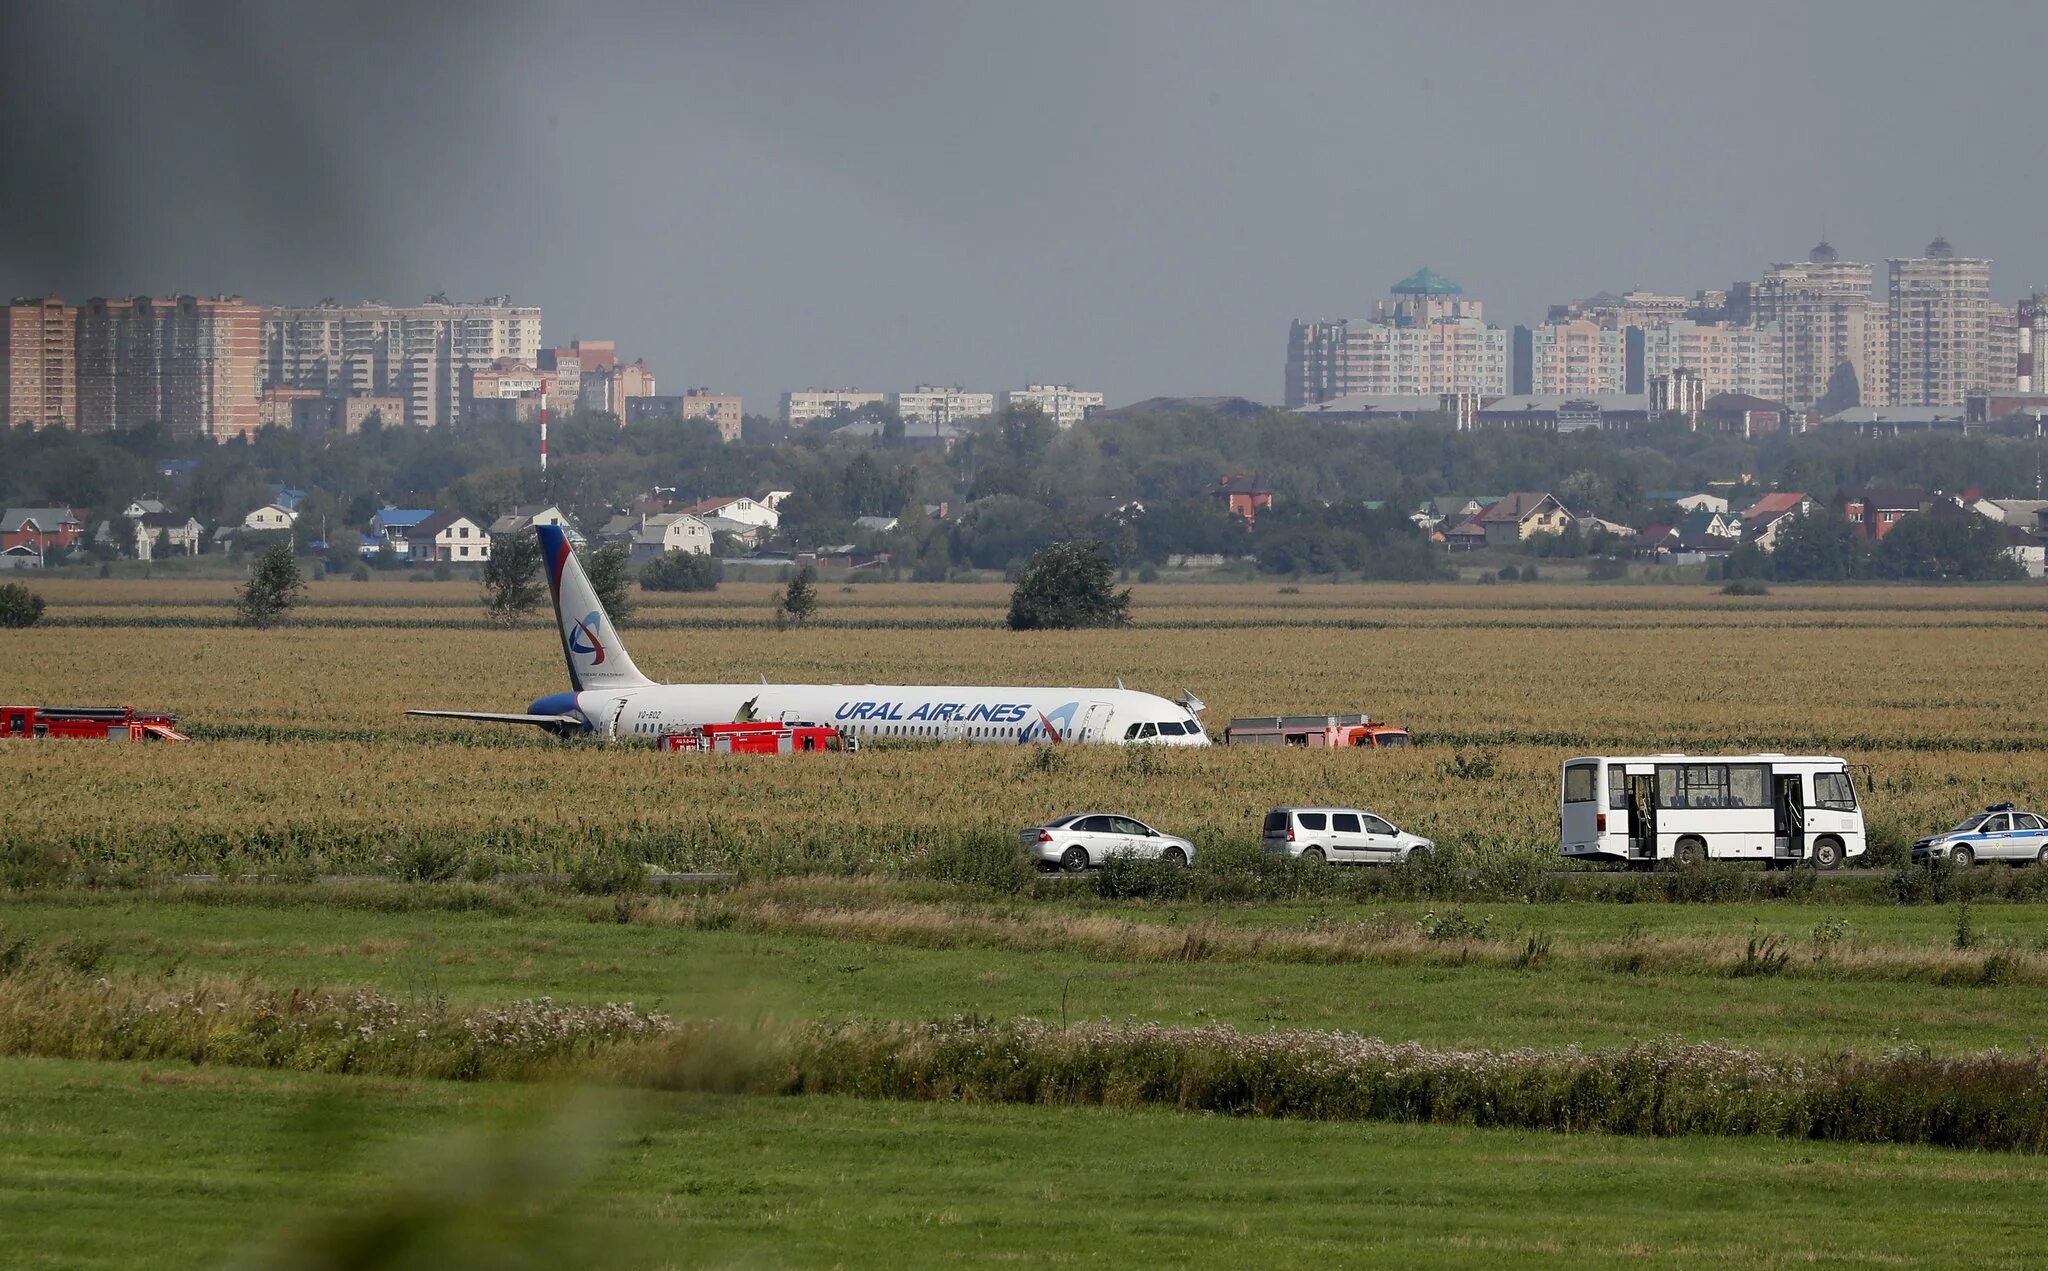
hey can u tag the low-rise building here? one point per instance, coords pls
(737, 508)
(1874, 510)
(809, 405)
(527, 515)
(450, 537)
(1063, 404)
(722, 410)
(1690, 500)
(1241, 496)
(393, 528)
(40, 530)
(671, 532)
(928, 404)
(1518, 516)
(271, 516)
(181, 534)
(1535, 412)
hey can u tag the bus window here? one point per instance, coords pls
(1578, 783)
(1832, 790)
(1617, 788)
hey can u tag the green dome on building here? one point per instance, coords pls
(1427, 282)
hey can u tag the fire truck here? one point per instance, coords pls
(94, 723)
(1333, 731)
(760, 738)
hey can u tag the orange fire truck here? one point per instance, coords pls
(1313, 730)
(96, 723)
(764, 738)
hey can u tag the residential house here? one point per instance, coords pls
(2023, 514)
(271, 516)
(41, 530)
(139, 508)
(671, 532)
(527, 515)
(20, 556)
(1657, 541)
(1776, 505)
(1514, 518)
(746, 510)
(1242, 496)
(1711, 524)
(392, 527)
(287, 497)
(181, 534)
(742, 531)
(1612, 529)
(1096, 507)
(876, 524)
(1690, 500)
(2027, 550)
(448, 536)
(1876, 509)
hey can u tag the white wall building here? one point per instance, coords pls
(1063, 404)
(271, 516)
(927, 404)
(672, 532)
(811, 404)
(744, 510)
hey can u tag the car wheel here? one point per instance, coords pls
(1074, 859)
(1414, 855)
(2042, 859)
(1963, 857)
(1312, 856)
(1827, 853)
(1174, 856)
(1690, 851)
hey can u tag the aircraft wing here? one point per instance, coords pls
(554, 723)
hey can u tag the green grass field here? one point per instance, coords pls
(132, 1164)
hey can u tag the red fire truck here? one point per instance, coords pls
(761, 738)
(97, 723)
(1313, 730)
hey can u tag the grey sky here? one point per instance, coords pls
(1135, 196)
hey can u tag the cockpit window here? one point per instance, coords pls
(1147, 730)
(1172, 728)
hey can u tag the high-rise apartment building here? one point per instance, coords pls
(38, 364)
(1427, 340)
(1575, 358)
(809, 405)
(191, 364)
(610, 388)
(565, 366)
(1063, 404)
(415, 352)
(1629, 309)
(1941, 320)
(1827, 319)
(927, 404)
(1724, 358)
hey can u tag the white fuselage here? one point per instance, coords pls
(938, 713)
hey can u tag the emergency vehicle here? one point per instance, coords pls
(94, 723)
(1333, 731)
(761, 738)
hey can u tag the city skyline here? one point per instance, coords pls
(1128, 195)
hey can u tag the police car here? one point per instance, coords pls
(2000, 832)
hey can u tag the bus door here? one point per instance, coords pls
(1642, 816)
(1789, 816)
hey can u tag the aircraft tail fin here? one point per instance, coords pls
(596, 656)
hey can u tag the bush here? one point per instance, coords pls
(20, 607)
(1069, 585)
(682, 571)
(1607, 569)
(1745, 587)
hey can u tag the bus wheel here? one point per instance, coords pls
(1689, 851)
(1827, 853)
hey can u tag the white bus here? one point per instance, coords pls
(1780, 809)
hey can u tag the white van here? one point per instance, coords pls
(1780, 809)
(1348, 836)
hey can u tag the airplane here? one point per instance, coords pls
(610, 698)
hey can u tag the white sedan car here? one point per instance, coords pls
(1083, 839)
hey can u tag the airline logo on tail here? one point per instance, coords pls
(583, 638)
